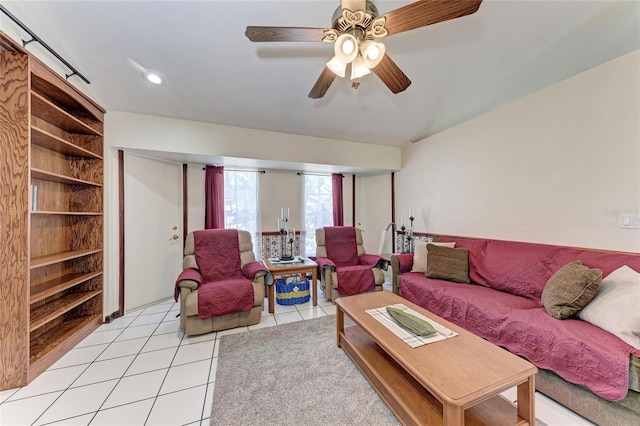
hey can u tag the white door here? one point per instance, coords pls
(153, 229)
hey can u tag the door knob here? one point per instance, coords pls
(175, 237)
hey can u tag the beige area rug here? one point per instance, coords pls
(293, 374)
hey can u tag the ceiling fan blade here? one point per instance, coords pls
(427, 12)
(259, 34)
(391, 75)
(353, 5)
(322, 84)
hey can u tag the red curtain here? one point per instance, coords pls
(214, 197)
(336, 192)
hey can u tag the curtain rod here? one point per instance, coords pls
(240, 170)
(317, 174)
(34, 37)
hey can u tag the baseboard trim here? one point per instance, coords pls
(111, 317)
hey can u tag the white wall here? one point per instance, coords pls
(554, 167)
(184, 137)
(373, 209)
(280, 189)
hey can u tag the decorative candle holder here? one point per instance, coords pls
(285, 235)
(410, 236)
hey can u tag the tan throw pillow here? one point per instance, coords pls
(570, 289)
(447, 263)
(420, 255)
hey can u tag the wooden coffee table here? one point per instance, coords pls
(306, 266)
(446, 382)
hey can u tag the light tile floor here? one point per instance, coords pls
(141, 370)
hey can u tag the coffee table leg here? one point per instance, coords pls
(453, 414)
(314, 281)
(339, 324)
(526, 400)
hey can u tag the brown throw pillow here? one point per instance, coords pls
(446, 263)
(570, 289)
(420, 255)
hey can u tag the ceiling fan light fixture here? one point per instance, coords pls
(372, 53)
(338, 67)
(346, 48)
(359, 68)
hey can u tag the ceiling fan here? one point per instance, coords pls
(356, 30)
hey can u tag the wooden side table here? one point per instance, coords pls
(280, 269)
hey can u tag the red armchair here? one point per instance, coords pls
(344, 267)
(221, 286)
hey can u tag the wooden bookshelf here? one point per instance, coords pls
(52, 310)
(47, 348)
(47, 140)
(66, 213)
(54, 177)
(51, 265)
(48, 111)
(59, 284)
(60, 257)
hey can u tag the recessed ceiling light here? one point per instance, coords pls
(153, 76)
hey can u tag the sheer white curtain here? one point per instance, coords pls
(317, 209)
(242, 205)
(257, 235)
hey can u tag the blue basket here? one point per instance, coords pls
(292, 293)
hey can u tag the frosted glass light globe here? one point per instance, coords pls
(347, 47)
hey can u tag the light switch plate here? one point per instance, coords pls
(629, 220)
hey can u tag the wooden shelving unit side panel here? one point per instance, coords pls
(14, 218)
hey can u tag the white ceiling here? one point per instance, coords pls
(459, 69)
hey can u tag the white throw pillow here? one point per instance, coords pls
(420, 255)
(616, 306)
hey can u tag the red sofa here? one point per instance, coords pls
(503, 305)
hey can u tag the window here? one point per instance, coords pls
(317, 208)
(241, 208)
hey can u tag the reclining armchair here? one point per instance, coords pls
(344, 267)
(221, 285)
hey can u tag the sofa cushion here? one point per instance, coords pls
(478, 309)
(517, 268)
(448, 263)
(616, 306)
(570, 289)
(420, 255)
(579, 352)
